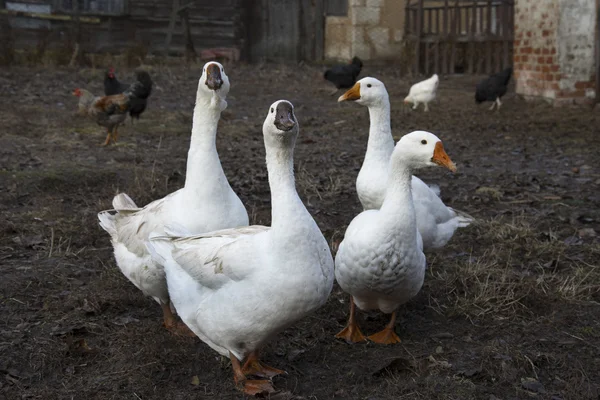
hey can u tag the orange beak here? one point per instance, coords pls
(352, 94)
(441, 158)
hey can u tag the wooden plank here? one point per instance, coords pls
(488, 31)
(445, 38)
(426, 48)
(419, 23)
(597, 51)
(319, 29)
(437, 57)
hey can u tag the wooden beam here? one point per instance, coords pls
(54, 17)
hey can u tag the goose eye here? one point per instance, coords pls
(369, 85)
(423, 141)
(272, 110)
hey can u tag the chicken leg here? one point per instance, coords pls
(173, 325)
(115, 135)
(499, 103)
(108, 137)
(351, 333)
(387, 335)
(253, 366)
(249, 387)
(426, 107)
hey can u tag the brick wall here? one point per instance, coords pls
(554, 49)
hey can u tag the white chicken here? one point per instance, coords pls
(423, 92)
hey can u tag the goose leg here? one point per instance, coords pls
(172, 324)
(499, 104)
(108, 137)
(253, 366)
(387, 335)
(426, 107)
(249, 387)
(415, 105)
(351, 333)
(492, 107)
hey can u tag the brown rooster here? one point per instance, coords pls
(107, 111)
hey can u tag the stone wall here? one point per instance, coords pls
(554, 55)
(372, 30)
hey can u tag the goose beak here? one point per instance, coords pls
(441, 158)
(284, 117)
(214, 79)
(352, 94)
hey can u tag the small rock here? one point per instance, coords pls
(439, 350)
(443, 335)
(586, 233)
(532, 385)
(195, 380)
(575, 170)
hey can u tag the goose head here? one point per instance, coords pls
(214, 83)
(367, 91)
(280, 125)
(422, 149)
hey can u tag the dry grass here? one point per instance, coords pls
(513, 268)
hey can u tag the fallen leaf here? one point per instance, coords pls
(195, 380)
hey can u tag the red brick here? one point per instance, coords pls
(537, 68)
(524, 58)
(554, 68)
(545, 69)
(545, 51)
(536, 50)
(550, 60)
(584, 85)
(553, 51)
(528, 33)
(526, 50)
(545, 33)
(541, 60)
(516, 59)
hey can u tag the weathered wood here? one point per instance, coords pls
(171, 28)
(437, 57)
(419, 27)
(488, 31)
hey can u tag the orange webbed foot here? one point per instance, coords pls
(351, 334)
(256, 368)
(255, 387)
(386, 336)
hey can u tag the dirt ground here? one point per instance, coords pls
(510, 308)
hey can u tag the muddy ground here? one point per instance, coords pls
(510, 308)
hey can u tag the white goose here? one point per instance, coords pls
(436, 222)
(206, 202)
(423, 92)
(380, 262)
(237, 288)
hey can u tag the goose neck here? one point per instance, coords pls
(380, 131)
(285, 202)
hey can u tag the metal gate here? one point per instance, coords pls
(457, 36)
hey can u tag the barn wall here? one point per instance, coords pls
(554, 55)
(213, 23)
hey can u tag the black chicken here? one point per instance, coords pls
(493, 88)
(138, 92)
(112, 85)
(344, 76)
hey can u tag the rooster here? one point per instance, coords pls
(138, 92)
(107, 111)
(344, 76)
(493, 87)
(112, 85)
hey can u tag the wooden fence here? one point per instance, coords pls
(450, 36)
